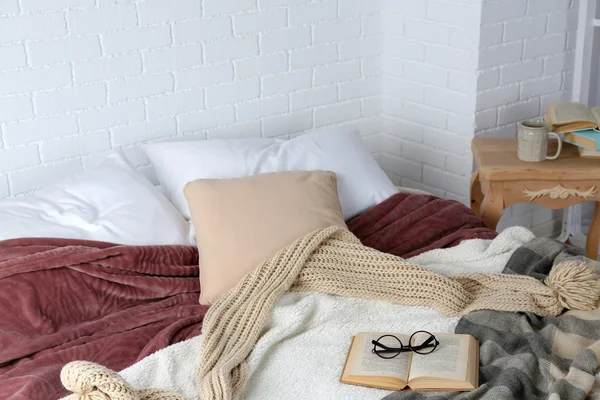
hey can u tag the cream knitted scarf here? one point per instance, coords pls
(334, 261)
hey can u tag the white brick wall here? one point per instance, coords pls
(525, 64)
(419, 79)
(80, 77)
(430, 70)
(456, 69)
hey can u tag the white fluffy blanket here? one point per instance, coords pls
(303, 348)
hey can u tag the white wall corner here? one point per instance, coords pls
(429, 93)
(418, 79)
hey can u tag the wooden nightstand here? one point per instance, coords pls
(501, 179)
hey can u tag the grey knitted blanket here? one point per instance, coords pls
(524, 356)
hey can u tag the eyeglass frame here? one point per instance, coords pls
(403, 348)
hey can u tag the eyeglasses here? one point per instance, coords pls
(389, 346)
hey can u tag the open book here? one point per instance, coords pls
(454, 365)
(567, 117)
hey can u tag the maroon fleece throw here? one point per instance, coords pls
(64, 300)
(409, 224)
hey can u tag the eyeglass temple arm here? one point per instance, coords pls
(383, 346)
(429, 340)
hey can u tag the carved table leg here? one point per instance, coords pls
(593, 238)
(476, 193)
(493, 205)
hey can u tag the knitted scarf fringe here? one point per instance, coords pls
(90, 381)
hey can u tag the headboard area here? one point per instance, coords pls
(81, 77)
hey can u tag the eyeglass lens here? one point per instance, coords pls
(390, 346)
(423, 342)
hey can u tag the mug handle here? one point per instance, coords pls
(554, 157)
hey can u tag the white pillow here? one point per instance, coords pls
(361, 183)
(111, 203)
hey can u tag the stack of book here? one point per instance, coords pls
(579, 124)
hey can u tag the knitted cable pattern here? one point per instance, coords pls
(334, 261)
(90, 381)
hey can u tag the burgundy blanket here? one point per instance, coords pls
(63, 300)
(410, 224)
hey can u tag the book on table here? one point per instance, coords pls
(568, 117)
(585, 153)
(454, 365)
(589, 139)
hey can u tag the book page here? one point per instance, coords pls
(368, 363)
(448, 361)
(569, 112)
(596, 113)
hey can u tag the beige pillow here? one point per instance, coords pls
(241, 222)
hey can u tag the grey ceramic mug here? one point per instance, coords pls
(533, 141)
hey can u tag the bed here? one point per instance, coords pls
(123, 293)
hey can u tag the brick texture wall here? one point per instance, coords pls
(80, 77)
(430, 71)
(419, 79)
(526, 62)
(458, 69)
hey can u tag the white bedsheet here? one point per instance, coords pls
(303, 348)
